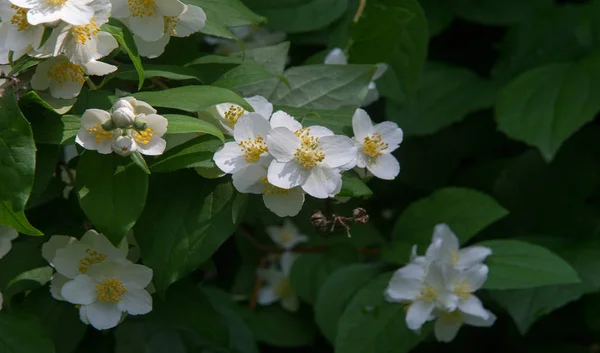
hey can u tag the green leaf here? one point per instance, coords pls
(223, 14)
(545, 106)
(195, 153)
(353, 186)
(397, 252)
(125, 40)
(46, 158)
(112, 192)
(370, 324)
(183, 124)
(337, 292)
(324, 86)
(247, 79)
(517, 264)
(22, 64)
(277, 327)
(17, 149)
(446, 95)
(20, 269)
(439, 15)
(47, 124)
(195, 213)
(466, 211)
(191, 98)
(499, 13)
(293, 16)
(171, 72)
(23, 334)
(139, 160)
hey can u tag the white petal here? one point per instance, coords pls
(103, 315)
(155, 147)
(283, 119)
(446, 330)
(191, 21)
(418, 313)
(53, 244)
(390, 134)
(248, 180)
(478, 321)
(66, 90)
(361, 125)
(401, 289)
(151, 49)
(287, 175)
(101, 244)
(158, 123)
(120, 8)
(56, 285)
(267, 296)
(136, 301)
(135, 274)
(45, 14)
(322, 182)
(320, 131)
(149, 28)
(106, 44)
(66, 261)
(336, 57)
(474, 307)
(381, 69)
(339, 151)
(384, 167)
(282, 144)
(81, 290)
(476, 276)
(372, 95)
(286, 262)
(290, 303)
(171, 8)
(473, 255)
(230, 158)
(99, 68)
(285, 205)
(251, 126)
(261, 106)
(77, 13)
(93, 117)
(449, 241)
(40, 80)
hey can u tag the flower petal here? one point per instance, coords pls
(476, 276)
(285, 204)
(191, 21)
(336, 57)
(361, 125)
(473, 255)
(138, 275)
(261, 106)
(248, 180)
(287, 175)
(282, 144)
(149, 28)
(339, 151)
(81, 290)
(171, 8)
(56, 285)
(390, 134)
(77, 13)
(446, 330)
(55, 243)
(267, 296)
(478, 321)
(473, 306)
(103, 316)
(418, 313)
(151, 49)
(283, 119)
(322, 181)
(384, 167)
(251, 126)
(136, 301)
(230, 158)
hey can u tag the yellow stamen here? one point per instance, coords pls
(233, 114)
(92, 259)
(19, 18)
(55, 2)
(99, 133)
(373, 145)
(253, 148)
(428, 294)
(271, 189)
(309, 153)
(463, 290)
(142, 8)
(111, 290)
(84, 33)
(66, 71)
(171, 24)
(144, 136)
(283, 289)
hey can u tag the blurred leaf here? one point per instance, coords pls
(277, 327)
(353, 186)
(191, 98)
(439, 15)
(498, 13)
(171, 72)
(23, 334)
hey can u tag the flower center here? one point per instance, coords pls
(110, 290)
(283, 289)
(84, 33)
(92, 258)
(171, 25)
(19, 18)
(233, 114)
(141, 8)
(99, 133)
(373, 145)
(66, 71)
(144, 136)
(309, 153)
(428, 294)
(55, 2)
(463, 290)
(253, 148)
(271, 189)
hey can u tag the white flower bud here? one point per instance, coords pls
(122, 103)
(124, 145)
(123, 117)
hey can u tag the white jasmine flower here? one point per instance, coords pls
(16, 33)
(92, 135)
(463, 284)
(75, 12)
(83, 43)
(283, 202)
(147, 136)
(445, 248)
(147, 19)
(250, 145)
(278, 286)
(448, 324)
(307, 157)
(109, 289)
(337, 57)
(229, 113)
(375, 145)
(287, 236)
(65, 79)
(7, 235)
(189, 22)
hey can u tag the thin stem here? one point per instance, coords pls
(91, 84)
(360, 10)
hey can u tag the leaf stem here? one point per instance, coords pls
(361, 8)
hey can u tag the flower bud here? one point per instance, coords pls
(122, 103)
(109, 125)
(124, 145)
(360, 215)
(123, 117)
(319, 221)
(140, 124)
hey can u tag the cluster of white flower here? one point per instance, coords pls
(130, 125)
(274, 155)
(276, 276)
(76, 41)
(441, 285)
(99, 278)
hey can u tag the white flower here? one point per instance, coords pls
(147, 19)
(92, 135)
(337, 57)
(109, 289)
(65, 79)
(124, 145)
(307, 157)
(123, 117)
(445, 248)
(189, 22)
(448, 324)
(278, 286)
(16, 33)
(286, 236)
(75, 12)
(463, 284)
(83, 43)
(148, 138)
(283, 202)
(229, 113)
(250, 145)
(7, 235)
(375, 145)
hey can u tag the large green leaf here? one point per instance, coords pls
(17, 155)
(517, 264)
(185, 220)
(545, 106)
(191, 98)
(466, 211)
(195, 153)
(112, 192)
(370, 324)
(183, 124)
(277, 327)
(23, 334)
(336, 293)
(324, 86)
